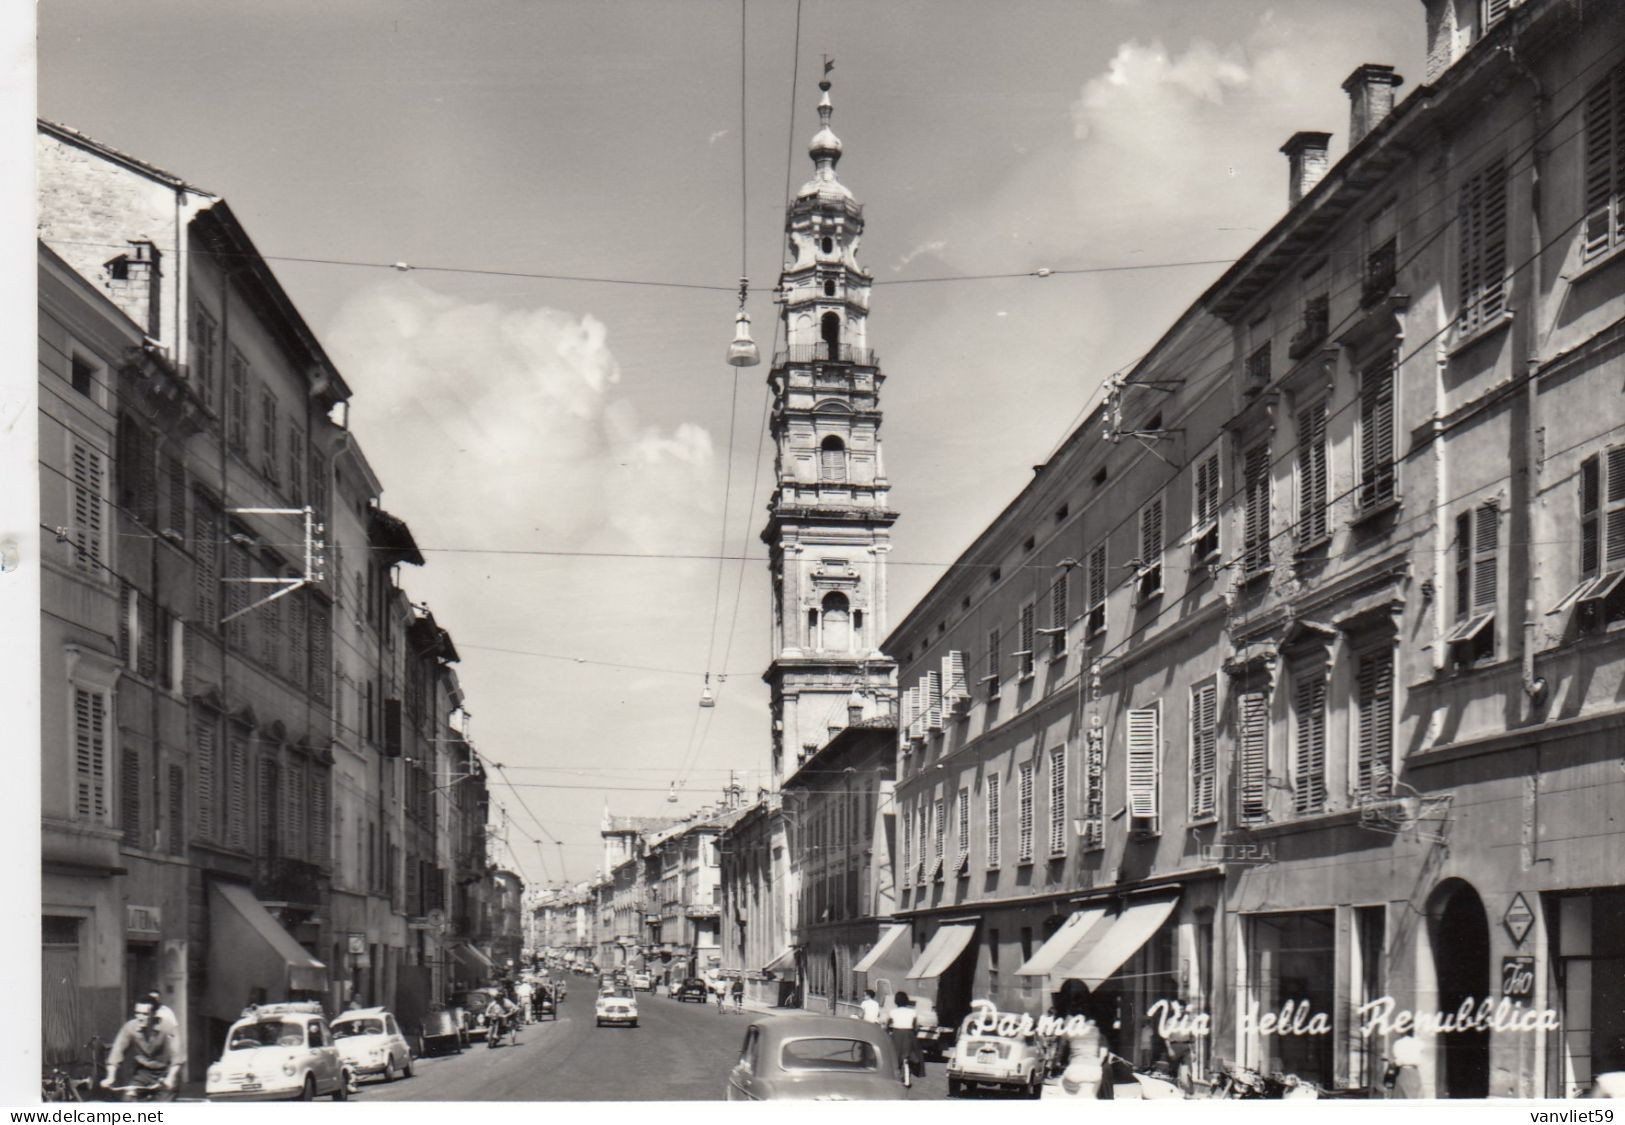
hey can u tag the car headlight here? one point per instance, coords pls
(214, 1074)
(288, 1069)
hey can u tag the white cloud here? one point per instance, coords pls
(518, 407)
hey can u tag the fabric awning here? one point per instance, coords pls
(943, 950)
(785, 960)
(1103, 950)
(893, 944)
(473, 960)
(1063, 941)
(250, 952)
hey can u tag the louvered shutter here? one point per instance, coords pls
(1604, 122)
(1590, 517)
(205, 803)
(269, 623)
(909, 711)
(1492, 302)
(146, 636)
(1097, 589)
(1256, 532)
(1469, 230)
(1614, 536)
(1312, 474)
(206, 563)
(1144, 750)
(296, 844)
(1024, 813)
(236, 596)
(90, 754)
(991, 791)
(128, 615)
(1252, 719)
(1026, 639)
(993, 663)
(1057, 607)
(175, 509)
(237, 787)
(1057, 800)
(924, 830)
(954, 687)
(1204, 749)
(1374, 759)
(177, 810)
(1309, 781)
(298, 644)
(962, 826)
(88, 484)
(1151, 534)
(1486, 538)
(1494, 10)
(931, 685)
(1377, 433)
(129, 795)
(270, 807)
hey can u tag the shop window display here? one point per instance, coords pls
(1292, 960)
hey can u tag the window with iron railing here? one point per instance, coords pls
(1316, 323)
(1381, 273)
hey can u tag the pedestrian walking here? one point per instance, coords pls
(904, 1027)
(869, 1010)
(720, 988)
(1404, 1076)
(739, 994)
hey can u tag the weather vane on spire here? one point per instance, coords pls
(829, 65)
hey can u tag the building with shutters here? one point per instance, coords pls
(219, 772)
(1292, 680)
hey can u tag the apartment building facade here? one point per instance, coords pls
(1290, 682)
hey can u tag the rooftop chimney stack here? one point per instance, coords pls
(1371, 98)
(1306, 163)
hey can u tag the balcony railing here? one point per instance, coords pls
(1381, 270)
(823, 352)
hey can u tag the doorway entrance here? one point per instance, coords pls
(1461, 956)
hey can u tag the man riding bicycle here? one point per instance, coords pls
(143, 1055)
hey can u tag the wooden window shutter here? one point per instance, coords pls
(1097, 589)
(1057, 800)
(1253, 723)
(1205, 508)
(89, 482)
(270, 626)
(206, 562)
(205, 806)
(271, 808)
(931, 683)
(939, 829)
(994, 673)
(1312, 474)
(1025, 639)
(1256, 530)
(1375, 753)
(1151, 534)
(1144, 753)
(1024, 813)
(90, 754)
(1614, 533)
(1494, 10)
(1204, 749)
(1377, 433)
(1309, 774)
(954, 687)
(991, 792)
(1486, 538)
(298, 647)
(175, 509)
(237, 786)
(962, 825)
(1058, 608)
(1494, 255)
(236, 597)
(1481, 218)
(1604, 126)
(1590, 517)
(177, 810)
(129, 795)
(146, 636)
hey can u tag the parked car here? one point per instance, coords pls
(815, 1058)
(370, 1042)
(1000, 1061)
(693, 989)
(643, 982)
(618, 1005)
(279, 1052)
(442, 1031)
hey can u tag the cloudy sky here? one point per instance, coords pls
(563, 449)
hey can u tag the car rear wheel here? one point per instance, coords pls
(341, 1091)
(955, 1087)
(1035, 1086)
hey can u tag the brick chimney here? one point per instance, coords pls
(1306, 163)
(1371, 97)
(132, 283)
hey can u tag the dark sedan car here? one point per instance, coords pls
(815, 1059)
(693, 990)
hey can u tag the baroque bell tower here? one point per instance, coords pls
(829, 527)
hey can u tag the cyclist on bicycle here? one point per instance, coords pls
(143, 1055)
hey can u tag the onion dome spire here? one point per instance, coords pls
(825, 151)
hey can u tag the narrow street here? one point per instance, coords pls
(678, 1052)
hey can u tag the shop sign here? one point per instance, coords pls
(1518, 918)
(1243, 854)
(357, 943)
(1518, 978)
(144, 920)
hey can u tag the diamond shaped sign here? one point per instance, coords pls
(1518, 918)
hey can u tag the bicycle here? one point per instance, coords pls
(60, 1085)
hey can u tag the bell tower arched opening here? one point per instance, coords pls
(837, 633)
(832, 459)
(829, 329)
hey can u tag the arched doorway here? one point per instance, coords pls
(1460, 936)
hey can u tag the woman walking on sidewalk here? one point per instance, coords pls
(904, 1027)
(739, 994)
